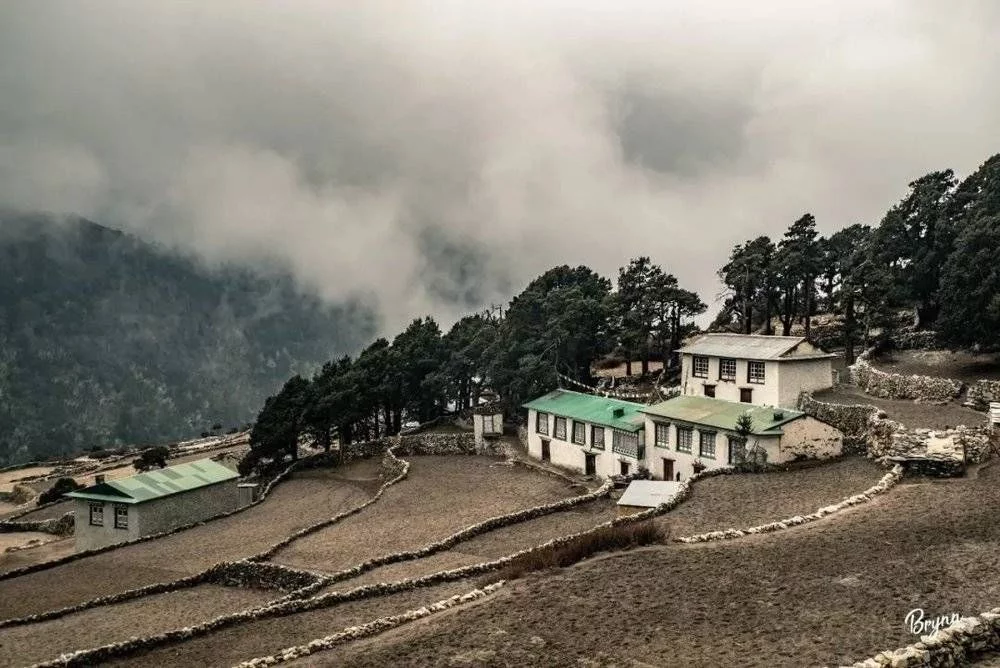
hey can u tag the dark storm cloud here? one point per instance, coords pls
(359, 142)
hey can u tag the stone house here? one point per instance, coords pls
(687, 433)
(595, 435)
(115, 511)
(754, 368)
(672, 439)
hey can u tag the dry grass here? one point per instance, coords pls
(21, 645)
(741, 501)
(440, 496)
(230, 646)
(907, 412)
(827, 593)
(304, 499)
(964, 366)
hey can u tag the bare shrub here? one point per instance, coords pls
(602, 539)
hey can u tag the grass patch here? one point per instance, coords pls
(603, 539)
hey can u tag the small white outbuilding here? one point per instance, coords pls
(642, 495)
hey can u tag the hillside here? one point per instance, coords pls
(106, 339)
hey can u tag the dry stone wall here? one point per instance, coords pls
(982, 392)
(854, 421)
(58, 526)
(926, 389)
(955, 645)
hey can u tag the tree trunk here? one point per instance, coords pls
(849, 326)
(809, 288)
(747, 313)
(628, 364)
(645, 357)
(768, 329)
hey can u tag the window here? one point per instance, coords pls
(737, 449)
(498, 424)
(542, 423)
(755, 372)
(700, 367)
(746, 395)
(709, 390)
(597, 437)
(661, 435)
(684, 439)
(121, 516)
(627, 443)
(579, 433)
(560, 430)
(707, 444)
(97, 514)
(727, 369)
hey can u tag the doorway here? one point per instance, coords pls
(546, 455)
(668, 469)
(589, 464)
(746, 395)
(624, 468)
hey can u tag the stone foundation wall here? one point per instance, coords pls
(955, 645)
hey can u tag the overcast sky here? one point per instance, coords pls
(430, 154)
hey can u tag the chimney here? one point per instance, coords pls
(779, 415)
(618, 412)
(99, 479)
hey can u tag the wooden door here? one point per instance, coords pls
(668, 469)
(546, 456)
(590, 464)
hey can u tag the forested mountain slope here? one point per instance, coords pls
(106, 339)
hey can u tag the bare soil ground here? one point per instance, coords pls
(742, 501)
(964, 366)
(305, 498)
(440, 496)
(909, 413)
(619, 371)
(32, 643)
(55, 511)
(19, 538)
(826, 593)
(9, 478)
(36, 555)
(492, 545)
(230, 646)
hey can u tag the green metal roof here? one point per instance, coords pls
(590, 408)
(704, 411)
(157, 484)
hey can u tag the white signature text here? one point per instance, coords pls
(916, 623)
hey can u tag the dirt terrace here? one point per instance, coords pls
(909, 413)
(826, 593)
(230, 646)
(22, 645)
(440, 496)
(304, 499)
(55, 549)
(742, 501)
(964, 366)
(492, 545)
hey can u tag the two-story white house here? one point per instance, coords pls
(594, 435)
(754, 368)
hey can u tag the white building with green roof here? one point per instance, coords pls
(686, 433)
(115, 511)
(595, 435)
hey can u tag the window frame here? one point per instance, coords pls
(583, 434)
(597, 444)
(710, 437)
(694, 366)
(538, 422)
(750, 374)
(742, 443)
(688, 434)
(119, 507)
(657, 427)
(722, 363)
(555, 428)
(99, 507)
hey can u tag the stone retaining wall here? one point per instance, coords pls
(982, 392)
(253, 575)
(58, 526)
(926, 389)
(955, 645)
(884, 484)
(852, 420)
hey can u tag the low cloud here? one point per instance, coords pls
(434, 156)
